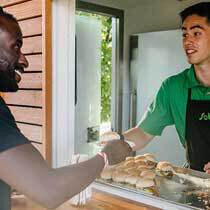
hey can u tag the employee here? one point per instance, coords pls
(21, 165)
(183, 100)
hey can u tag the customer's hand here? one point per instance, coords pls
(207, 168)
(117, 151)
(110, 135)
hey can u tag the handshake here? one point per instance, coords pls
(115, 149)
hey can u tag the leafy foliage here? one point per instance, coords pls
(106, 64)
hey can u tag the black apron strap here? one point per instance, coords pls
(189, 94)
(197, 132)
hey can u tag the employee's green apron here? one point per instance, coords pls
(197, 132)
(5, 193)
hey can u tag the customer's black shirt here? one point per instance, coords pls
(10, 135)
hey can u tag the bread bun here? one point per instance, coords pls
(151, 164)
(129, 158)
(142, 168)
(107, 172)
(148, 174)
(130, 169)
(165, 168)
(150, 157)
(119, 177)
(120, 168)
(129, 163)
(131, 179)
(139, 162)
(144, 183)
(140, 157)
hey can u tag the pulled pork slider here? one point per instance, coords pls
(150, 157)
(119, 176)
(129, 163)
(129, 158)
(144, 183)
(150, 160)
(142, 168)
(106, 174)
(132, 179)
(148, 174)
(147, 185)
(165, 169)
(139, 157)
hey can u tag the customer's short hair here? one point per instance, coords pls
(202, 9)
(7, 15)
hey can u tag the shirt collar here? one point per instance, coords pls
(190, 80)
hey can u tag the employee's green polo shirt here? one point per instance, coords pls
(169, 106)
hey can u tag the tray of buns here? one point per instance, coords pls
(142, 174)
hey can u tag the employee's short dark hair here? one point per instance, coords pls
(202, 9)
(7, 15)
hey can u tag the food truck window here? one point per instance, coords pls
(98, 56)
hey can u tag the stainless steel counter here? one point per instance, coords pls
(175, 193)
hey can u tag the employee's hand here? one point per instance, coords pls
(207, 168)
(117, 151)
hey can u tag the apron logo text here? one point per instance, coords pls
(205, 116)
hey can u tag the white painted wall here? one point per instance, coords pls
(63, 81)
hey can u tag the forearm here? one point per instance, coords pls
(138, 137)
(26, 171)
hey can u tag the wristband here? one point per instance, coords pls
(104, 156)
(121, 136)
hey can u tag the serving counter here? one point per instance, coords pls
(185, 189)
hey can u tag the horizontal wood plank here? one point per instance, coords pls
(31, 27)
(32, 132)
(35, 62)
(24, 97)
(5, 3)
(32, 45)
(26, 9)
(31, 80)
(39, 147)
(27, 114)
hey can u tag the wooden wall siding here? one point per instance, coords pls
(6, 3)
(26, 9)
(35, 63)
(31, 81)
(32, 45)
(31, 98)
(28, 105)
(31, 27)
(33, 116)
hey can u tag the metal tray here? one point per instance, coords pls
(176, 190)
